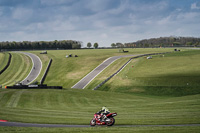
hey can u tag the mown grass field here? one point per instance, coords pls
(68, 71)
(145, 103)
(71, 106)
(78, 106)
(19, 68)
(174, 73)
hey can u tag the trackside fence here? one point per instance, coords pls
(45, 74)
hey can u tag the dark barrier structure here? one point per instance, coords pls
(123, 67)
(33, 87)
(45, 74)
(7, 65)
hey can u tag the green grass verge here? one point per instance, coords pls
(71, 106)
(175, 74)
(107, 72)
(3, 59)
(186, 129)
(68, 71)
(19, 68)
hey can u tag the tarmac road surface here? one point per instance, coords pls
(35, 71)
(88, 78)
(18, 124)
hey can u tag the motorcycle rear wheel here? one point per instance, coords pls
(111, 122)
(93, 122)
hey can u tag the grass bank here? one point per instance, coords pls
(175, 74)
(68, 71)
(18, 69)
(139, 78)
(3, 59)
(71, 106)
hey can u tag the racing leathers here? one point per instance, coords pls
(104, 111)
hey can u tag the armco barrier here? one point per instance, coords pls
(45, 74)
(33, 87)
(123, 67)
(7, 65)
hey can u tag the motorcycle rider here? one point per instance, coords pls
(104, 111)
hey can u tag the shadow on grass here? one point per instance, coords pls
(156, 90)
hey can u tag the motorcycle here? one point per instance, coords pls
(97, 120)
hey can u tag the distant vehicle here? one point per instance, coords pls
(43, 52)
(19, 84)
(97, 120)
(149, 57)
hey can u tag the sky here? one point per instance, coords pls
(101, 21)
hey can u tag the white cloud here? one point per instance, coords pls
(189, 17)
(1, 11)
(178, 9)
(124, 5)
(194, 6)
(55, 2)
(151, 6)
(99, 21)
(165, 21)
(96, 5)
(22, 13)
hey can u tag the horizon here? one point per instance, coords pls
(97, 42)
(101, 21)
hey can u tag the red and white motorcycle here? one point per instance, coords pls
(97, 120)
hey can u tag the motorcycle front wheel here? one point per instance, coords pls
(111, 122)
(93, 122)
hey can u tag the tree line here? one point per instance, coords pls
(63, 44)
(161, 42)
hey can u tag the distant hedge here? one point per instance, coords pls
(171, 41)
(63, 44)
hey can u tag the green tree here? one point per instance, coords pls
(96, 45)
(89, 44)
(119, 45)
(113, 45)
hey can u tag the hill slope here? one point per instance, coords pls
(19, 68)
(78, 106)
(175, 73)
(68, 71)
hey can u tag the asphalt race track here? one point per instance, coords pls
(35, 71)
(18, 124)
(88, 78)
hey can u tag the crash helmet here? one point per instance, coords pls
(105, 108)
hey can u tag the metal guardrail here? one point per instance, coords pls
(45, 74)
(33, 87)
